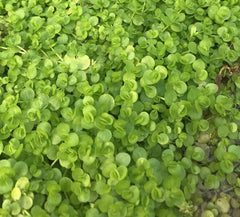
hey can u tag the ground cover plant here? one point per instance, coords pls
(119, 108)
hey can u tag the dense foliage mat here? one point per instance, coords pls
(117, 108)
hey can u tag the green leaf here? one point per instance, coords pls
(201, 75)
(105, 103)
(21, 169)
(123, 158)
(222, 14)
(211, 182)
(180, 87)
(16, 193)
(93, 20)
(226, 166)
(118, 174)
(65, 184)
(166, 212)
(232, 55)
(167, 156)
(72, 139)
(79, 175)
(176, 169)
(205, 171)
(177, 27)
(131, 194)
(138, 20)
(6, 185)
(142, 119)
(174, 197)
(54, 199)
(31, 71)
(103, 120)
(105, 203)
(38, 211)
(84, 196)
(102, 188)
(204, 101)
(224, 34)
(211, 88)
(104, 135)
(149, 186)
(179, 109)
(150, 77)
(199, 65)
(162, 70)
(67, 114)
(170, 96)
(223, 131)
(237, 82)
(163, 139)
(117, 210)
(187, 59)
(63, 129)
(148, 61)
(235, 150)
(27, 94)
(139, 152)
(198, 154)
(121, 186)
(152, 33)
(83, 62)
(203, 125)
(89, 113)
(223, 103)
(204, 46)
(150, 91)
(62, 80)
(26, 202)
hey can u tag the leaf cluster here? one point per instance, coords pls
(112, 109)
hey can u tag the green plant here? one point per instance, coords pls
(117, 108)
